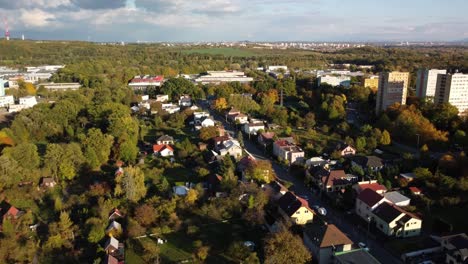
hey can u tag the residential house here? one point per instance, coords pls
(232, 112)
(115, 214)
(240, 119)
(111, 260)
(316, 161)
(199, 115)
(266, 138)
(162, 98)
(415, 190)
(397, 198)
(408, 177)
(295, 209)
(185, 101)
(373, 185)
(275, 190)
(8, 211)
(165, 140)
(170, 108)
(455, 248)
(394, 221)
(345, 149)
(180, 190)
(337, 180)
(48, 182)
(366, 202)
(359, 255)
(218, 142)
(207, 122)
(372, 162)
(114, 229)
(324, 241)
(231, 147)
(291, 153)
(163, 150)
(112, 246)
(253, 127)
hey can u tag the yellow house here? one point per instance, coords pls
(394, 221)
(295, 209)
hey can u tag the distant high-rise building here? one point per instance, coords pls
(426, 82)
(371, 82)
(453, 89)
(393, 87)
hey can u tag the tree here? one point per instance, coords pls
(25, 154)
(145, 215)
(97, 147)
(220, 104)
(207, 133)
(385, 139)
(132, 183)
(260, 171)
(191, 197)
(284, 247)
(240, 138)
(360, 144)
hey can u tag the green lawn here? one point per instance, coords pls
(132, 258)
(221, 51)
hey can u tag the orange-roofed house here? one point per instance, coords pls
(373, 185)
(295, 209)
(163, 150)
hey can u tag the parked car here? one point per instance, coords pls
(363, 246)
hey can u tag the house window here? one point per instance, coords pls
(298, 212)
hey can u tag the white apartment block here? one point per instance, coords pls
(453, 89)
(60, 86)
(393, 88)
(342, 80)
(426, 82)
(223, 76)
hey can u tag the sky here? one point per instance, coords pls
(234, 20)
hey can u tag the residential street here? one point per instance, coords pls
(333, 216)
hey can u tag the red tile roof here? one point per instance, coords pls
(415, 189)
(140, 79)
(159, 148)
(13, 211)
(333, 237)
(370, 197)
(373, 186)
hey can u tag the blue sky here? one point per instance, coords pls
(230, 20)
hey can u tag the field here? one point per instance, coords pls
(235, 52)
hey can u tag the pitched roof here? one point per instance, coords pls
(161, 147)
(165, 138)
(396, 197)
(326, 235)
(355, 256)
(368, 161)
(268, 135)
(115, 213)
(114, 225)
(373, 186)
(460, 241)
(112, 242)
(13, 211)
(415, 189)
(335, 177)
(290, 203)
(342, 146)
(387, 212)
(370, 197)
(111, 260)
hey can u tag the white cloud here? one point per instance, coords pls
(36, 18)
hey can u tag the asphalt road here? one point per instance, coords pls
(334, 216)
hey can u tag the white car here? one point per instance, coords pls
(363, 246)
